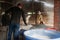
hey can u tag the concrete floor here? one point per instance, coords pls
(3, 33)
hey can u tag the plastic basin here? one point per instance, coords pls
(41, 34)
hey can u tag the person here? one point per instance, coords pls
(41, 19)
(16, 12)
(5, 20)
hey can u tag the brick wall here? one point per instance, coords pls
(57, 14)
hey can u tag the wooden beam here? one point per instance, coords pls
(5, 2)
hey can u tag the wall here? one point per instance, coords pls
(57, 14)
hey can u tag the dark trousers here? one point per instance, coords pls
(15, 29)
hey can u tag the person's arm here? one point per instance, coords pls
(24, 18)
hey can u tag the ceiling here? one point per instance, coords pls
(31, 5)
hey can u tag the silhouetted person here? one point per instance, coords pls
(16, 12)
(5, 20)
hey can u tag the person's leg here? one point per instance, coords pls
(10, 32)
(22, 34)
(16, 32)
